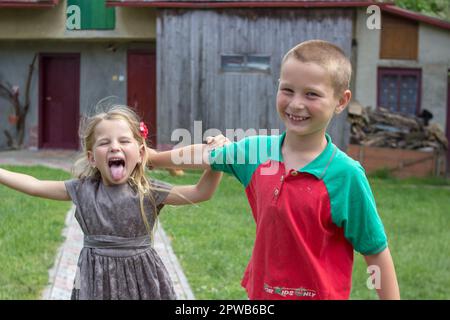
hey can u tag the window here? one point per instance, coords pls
(246, 63)
(94, 15)
(399, 38)
(399, 90)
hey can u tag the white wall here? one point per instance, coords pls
(433, 59)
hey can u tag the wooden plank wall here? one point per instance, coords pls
(191, 85)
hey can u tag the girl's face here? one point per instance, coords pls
(115, 152)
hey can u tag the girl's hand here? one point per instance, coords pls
(200, 192)
(217, 141)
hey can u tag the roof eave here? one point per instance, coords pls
(240, 4)
(416, 16)
(16, 4)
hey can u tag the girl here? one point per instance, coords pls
(117, 207)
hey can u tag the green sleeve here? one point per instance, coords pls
(353, 208)
(240, 158)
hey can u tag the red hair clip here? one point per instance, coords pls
(143, 130)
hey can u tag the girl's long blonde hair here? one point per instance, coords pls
(137, 180)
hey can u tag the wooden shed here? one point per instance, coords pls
(218, 61)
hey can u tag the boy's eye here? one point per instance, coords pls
(312, 94)
(287, 90)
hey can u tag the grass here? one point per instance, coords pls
(386, 175)
(213, 240)
(30, 233)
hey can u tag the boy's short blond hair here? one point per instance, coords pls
(328, 56)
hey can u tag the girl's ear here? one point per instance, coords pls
(343, 101)
(142, 151)
(91, 158)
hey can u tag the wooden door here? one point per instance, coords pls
(141, 88)
(59, 100)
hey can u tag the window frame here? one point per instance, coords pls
(400, 72)
(245, 68)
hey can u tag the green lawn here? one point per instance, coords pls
(213, 240)
(30, 233)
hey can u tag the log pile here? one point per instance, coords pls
(382, 128)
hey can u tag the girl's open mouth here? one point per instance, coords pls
(117, 168)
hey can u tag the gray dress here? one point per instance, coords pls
(117, 260)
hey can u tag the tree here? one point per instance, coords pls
(435, 8)
(20, 109)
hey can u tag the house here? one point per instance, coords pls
(216, 61)
(110, 53)
(405, 67)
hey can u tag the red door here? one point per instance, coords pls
(141, 88)
(59, 100)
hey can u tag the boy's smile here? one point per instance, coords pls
(115, 152)
(306, 100)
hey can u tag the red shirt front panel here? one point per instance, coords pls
(299, 252)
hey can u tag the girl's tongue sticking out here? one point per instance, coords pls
(117, 168)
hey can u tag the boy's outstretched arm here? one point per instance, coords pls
(55, 190)
(202, 191)
(388, 289)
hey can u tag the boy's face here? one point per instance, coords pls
(306, 100)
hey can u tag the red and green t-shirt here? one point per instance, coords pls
(308, 221)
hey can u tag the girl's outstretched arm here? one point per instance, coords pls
(202, 191)
(190, 157)
(55, 190)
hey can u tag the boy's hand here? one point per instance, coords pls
(217, 141)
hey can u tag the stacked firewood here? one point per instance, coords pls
(382, 128)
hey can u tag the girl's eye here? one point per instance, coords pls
(287, 90)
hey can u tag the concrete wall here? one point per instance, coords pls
(433, 59)
(97, 68)
(50, 23)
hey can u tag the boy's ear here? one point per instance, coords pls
(343, 101)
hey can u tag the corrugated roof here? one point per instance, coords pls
(28, 3)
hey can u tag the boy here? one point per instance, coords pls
(312, 204)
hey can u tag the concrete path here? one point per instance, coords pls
(62, 274)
